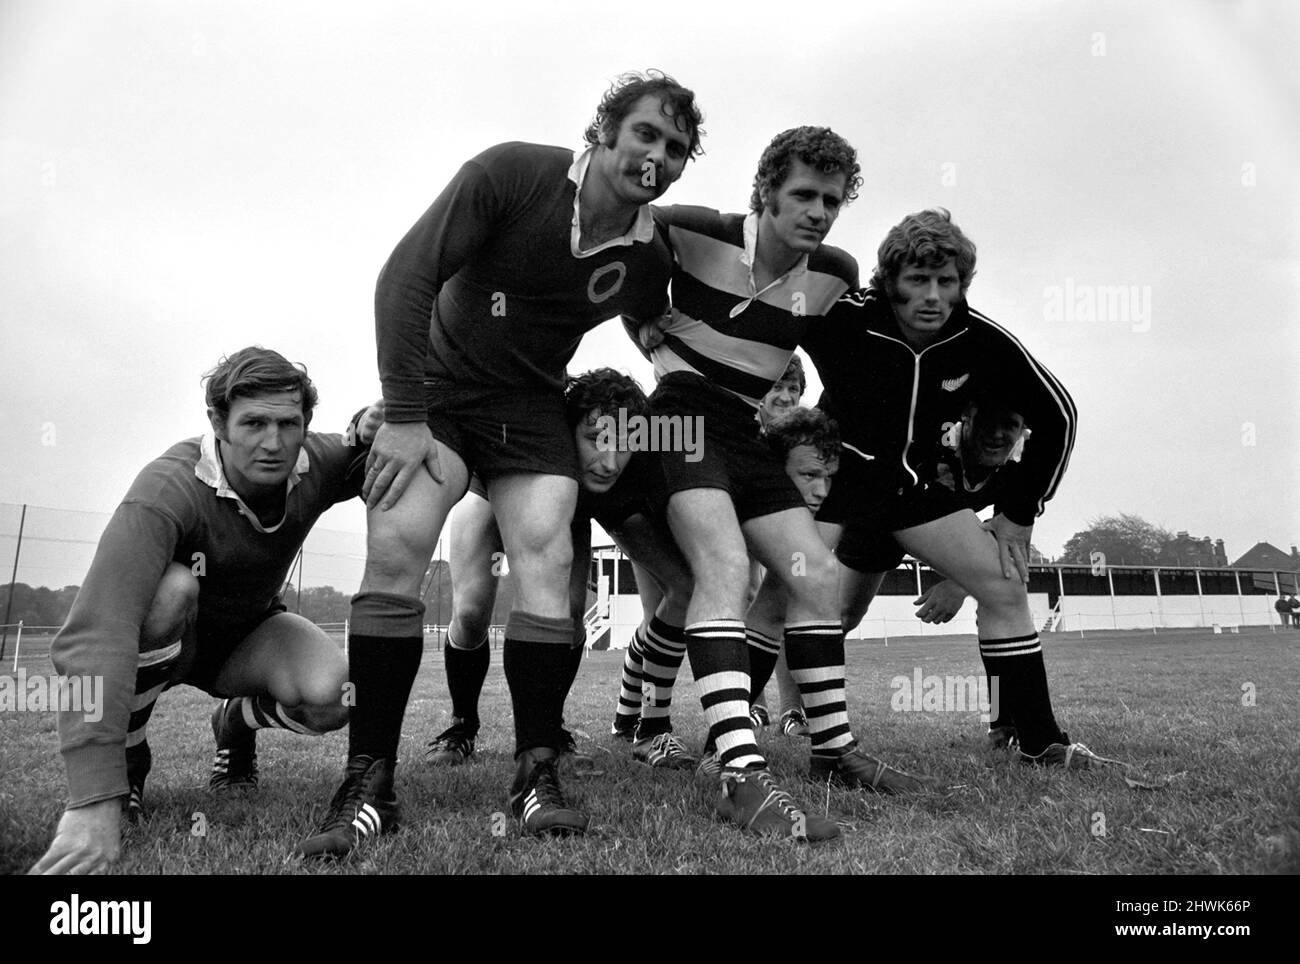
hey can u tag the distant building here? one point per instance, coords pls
(1266, 556)
(1183, 550)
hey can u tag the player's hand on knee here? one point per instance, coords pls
(940, 602)
(1013, 545)
(88, 840)
(370, 422)
(399, 451)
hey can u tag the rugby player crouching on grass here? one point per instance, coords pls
(896, 358)
(614, 492)
(477, 311)
(183, 589)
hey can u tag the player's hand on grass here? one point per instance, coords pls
(1013, 545)
(399, 451)
(88, 841)
(370, 422)
(940, 602)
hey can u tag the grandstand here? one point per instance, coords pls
(1063, 599)
(45, 547)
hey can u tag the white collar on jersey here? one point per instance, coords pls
(750, 233)
(208, 469)
(643, 229)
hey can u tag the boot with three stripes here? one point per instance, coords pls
(536, 798)
(364, 806)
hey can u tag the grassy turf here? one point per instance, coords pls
(1173, 703)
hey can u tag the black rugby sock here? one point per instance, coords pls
(466, 670)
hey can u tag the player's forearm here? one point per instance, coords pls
(1041, 469)
(96, 652)
(403, 305)
(96, 657)
(1050, 413)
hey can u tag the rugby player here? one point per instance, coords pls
(183, 589)
(785, 394)
(612, 494)
(745, 289)
(809, 445)
(895, 358)
(477, 311)
(975, 457)
(782, 397)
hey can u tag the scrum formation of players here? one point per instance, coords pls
(758, 547)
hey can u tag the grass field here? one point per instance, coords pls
(1173, 703)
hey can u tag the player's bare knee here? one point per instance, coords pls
(175, 606)
(394, 565)
(471, 622)
(678, 596)
(320, 690)
(721, 569)
(812, 581)
(1000, 596)
(323, 717)
(543, 552)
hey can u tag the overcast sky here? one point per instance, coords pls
(178, 180)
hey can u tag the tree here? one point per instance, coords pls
(1126, 540)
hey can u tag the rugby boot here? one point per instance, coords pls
(364, 806)
(234, 767)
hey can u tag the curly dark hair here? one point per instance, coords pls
(927, 238)
(675, 102)
(604, 390)
(819, 147)
(255, 371)
(804, 426)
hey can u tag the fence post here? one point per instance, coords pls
(1241, 608)
(9, 605)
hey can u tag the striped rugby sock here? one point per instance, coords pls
(720, 659)
(1023, 697)
(629, 695)
(152, 674)
(790, 700)
(763, 651)
(665, 648)
(263, 713)
(815, 653)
